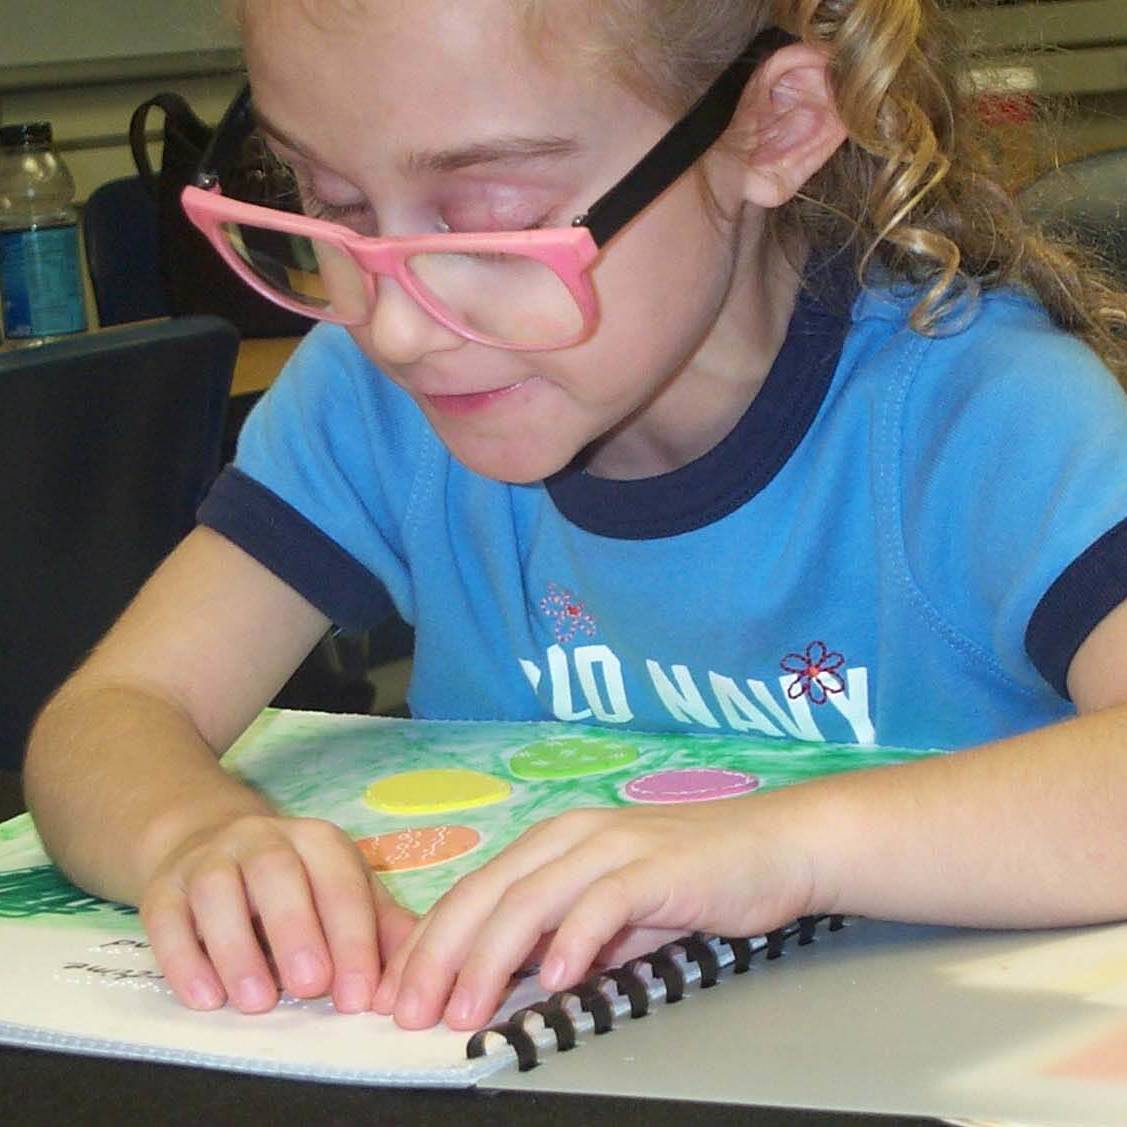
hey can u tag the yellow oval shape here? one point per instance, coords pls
(435, 791)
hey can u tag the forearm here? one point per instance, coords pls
(1029, 831)
(116, 777)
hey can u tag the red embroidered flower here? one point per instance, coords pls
(815, 673)
(568, 615)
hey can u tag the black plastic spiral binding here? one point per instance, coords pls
(629, 981)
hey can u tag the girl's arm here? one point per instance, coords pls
(123, 780)
(1028, 831)
(1033, 826)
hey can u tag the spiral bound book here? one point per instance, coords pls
(425, 802)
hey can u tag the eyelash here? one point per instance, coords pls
(332, 212)
(535, 225)
(317, 208)
(341, 213)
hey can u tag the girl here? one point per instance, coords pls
(788, 426)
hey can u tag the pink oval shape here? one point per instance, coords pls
(690, 784)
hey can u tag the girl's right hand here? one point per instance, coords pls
(263, 901)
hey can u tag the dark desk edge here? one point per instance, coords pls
(50, 1088)
(11, 796)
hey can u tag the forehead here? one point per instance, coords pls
(416, 32)
(419, 73)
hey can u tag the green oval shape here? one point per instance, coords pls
(571, 757)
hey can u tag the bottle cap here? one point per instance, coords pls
(26, 133)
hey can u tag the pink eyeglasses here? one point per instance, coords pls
(523, 290)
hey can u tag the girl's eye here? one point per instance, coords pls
(490, 224)
(302, 189)
(334, 212)
(313, 205)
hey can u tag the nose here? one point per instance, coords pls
(401, 330)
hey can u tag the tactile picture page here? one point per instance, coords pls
(426, 802)
(430, 801)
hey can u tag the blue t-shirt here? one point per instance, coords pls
(904, 540)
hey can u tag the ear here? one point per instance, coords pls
(790, 122)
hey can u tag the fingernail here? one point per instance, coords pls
(408, 1005)
(553, 972)
(353, 993)
(254, 994)
(460, 1007)
(306, 968)
(204, 995)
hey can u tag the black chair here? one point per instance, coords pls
(1085, 199)
(107, 443)
(121, 237)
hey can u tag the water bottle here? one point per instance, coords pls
(40, 272)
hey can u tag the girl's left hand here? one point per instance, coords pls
(604, 881)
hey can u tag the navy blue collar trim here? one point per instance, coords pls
(743, 463)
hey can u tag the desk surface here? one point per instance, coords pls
(259, 362)
(49, 1088)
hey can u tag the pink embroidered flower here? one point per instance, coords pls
(815, 673)
(568, 615)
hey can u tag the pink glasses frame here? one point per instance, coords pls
(568, 251)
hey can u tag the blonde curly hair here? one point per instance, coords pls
(915, 190)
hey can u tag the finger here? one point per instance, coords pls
(531, 965)
(422, 976)
(611, 904)
(278, 889)
(526, 911)
(394, 921)
(634, 941)
(359, 918)
(425, 970)
(345, 913)
(218, 903)
(387, 999)
(417, 978)
(176, 948)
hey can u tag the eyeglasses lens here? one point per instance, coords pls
(313, 273)
(509, 298)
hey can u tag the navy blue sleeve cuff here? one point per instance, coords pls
(295, 550)
(1092, 586)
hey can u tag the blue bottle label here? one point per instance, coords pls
(41, 283)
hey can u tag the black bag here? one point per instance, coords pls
(195, 278)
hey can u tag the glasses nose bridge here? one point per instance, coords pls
(376, 255)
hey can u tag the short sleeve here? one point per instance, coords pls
(1013, 494)
(323, 481)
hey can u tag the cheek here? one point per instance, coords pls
(664, 280)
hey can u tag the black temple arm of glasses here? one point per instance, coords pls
(683, 145)
(226, 145)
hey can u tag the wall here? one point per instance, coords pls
(49, 32)
(1075, 49)
(85, 64)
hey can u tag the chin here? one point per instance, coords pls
(512, 468)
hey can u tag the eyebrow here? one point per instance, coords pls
(265, 125)
(500, 150)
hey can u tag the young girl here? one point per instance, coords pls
(794, 431)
